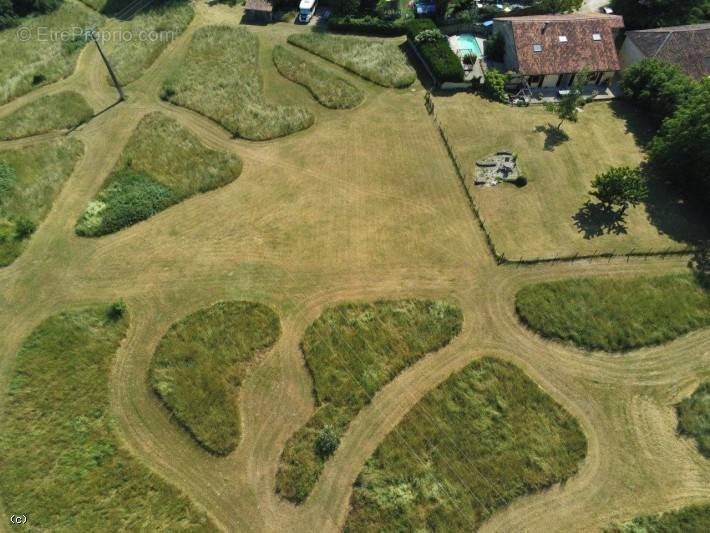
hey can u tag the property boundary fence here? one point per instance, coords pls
(499, 257)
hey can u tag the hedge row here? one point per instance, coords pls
(443, 62)
(366, 26)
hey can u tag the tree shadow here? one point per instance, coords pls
(595, 220)
(553, 136)
(641, 125)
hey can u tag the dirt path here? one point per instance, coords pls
(363, 205)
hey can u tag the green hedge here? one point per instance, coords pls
(366, 26)
(442, 60)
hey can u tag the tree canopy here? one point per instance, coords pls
(656, 86)
(620, 187)
(639, 14)
(681, 149)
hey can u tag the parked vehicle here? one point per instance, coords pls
(306, 10)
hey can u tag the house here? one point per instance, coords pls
(259, 11)
(688, 47)
(550, 50)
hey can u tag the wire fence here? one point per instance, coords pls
(500, 257)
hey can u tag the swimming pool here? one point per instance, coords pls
(466, 43)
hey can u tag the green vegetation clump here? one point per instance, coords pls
(694, 417)
(220, 79)
(162, 165)
(201, 362)
(59, 111)
(151, 31)
(62, 462)
(28, 64)
(691, 519)
(30, 179)
(434, 48)
(330, 90)
(615, 314)
(352, 351)
(377, 60)
(484, 437)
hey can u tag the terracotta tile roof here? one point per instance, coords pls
(685, 46)
(259, 5)
(589, 43)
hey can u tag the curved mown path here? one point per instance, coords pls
(316, 218)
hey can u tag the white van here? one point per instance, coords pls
(306, 9)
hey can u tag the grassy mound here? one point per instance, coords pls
(28, 63)
(377, 60)
(201, 362)
(615, 314)
(220, 78)
(62, 463)
(331, 91)
(694, 417)
(691, 519)
(484, 437)
(162, 164)
(152, 31)
(59, 111)
(30, 179)
(352, 351)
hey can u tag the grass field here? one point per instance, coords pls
(150, 32)
(58, 111)
(220, 78)
(484, 437)
(28, 64)
(330, 90)
(201, 362)
(549, 217)
(29, 184)
(377, 60)
(162, 165)
(694, 418)
(62, 463)
(615, 314)
(691, 519)
(352, 350)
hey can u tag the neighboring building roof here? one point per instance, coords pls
(685, 46)
(563, 44)
(259, 5)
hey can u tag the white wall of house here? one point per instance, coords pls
(629, 54)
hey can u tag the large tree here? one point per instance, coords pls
(619, 187)
(656, 86)
(567, 107)
(681, 149)
(656, 13)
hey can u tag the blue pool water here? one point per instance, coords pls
(468, 43)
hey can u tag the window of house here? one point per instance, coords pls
(597, 36)
(537, 48)
(534, 80)
(563, 38)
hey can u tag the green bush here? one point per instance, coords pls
(24, 228)
(117, 310)
(327, 442)
(366, 26)
(442, 60)
(415, 26)
(130, 197)
(495, 47)
(691, 519)
(694, 417)
(493, 87)
(429, 36)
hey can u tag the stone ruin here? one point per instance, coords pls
(499, 167)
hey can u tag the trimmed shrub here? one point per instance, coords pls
(494, 86)
(435, 50)
(366, 26)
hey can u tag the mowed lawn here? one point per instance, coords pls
(547, 217)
